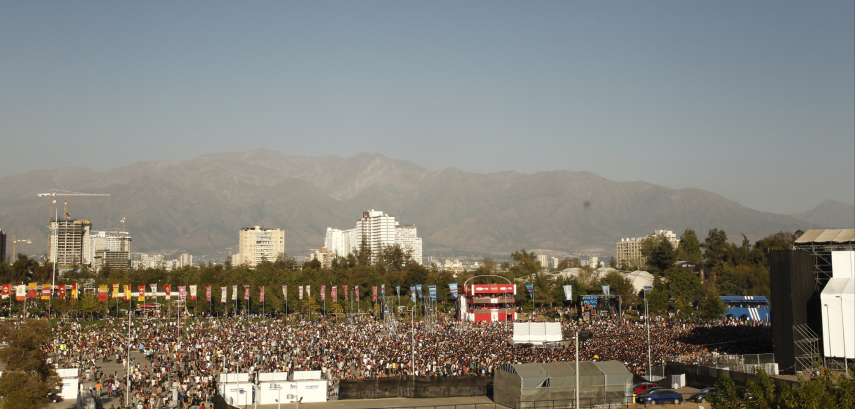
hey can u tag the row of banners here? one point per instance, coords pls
(36, 291)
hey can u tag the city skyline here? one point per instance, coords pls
(736, 98)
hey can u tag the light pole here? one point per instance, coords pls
(128, 371)
(647, 324)
(412, 311)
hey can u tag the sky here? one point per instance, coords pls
(752, 100)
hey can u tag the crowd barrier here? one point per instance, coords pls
(698, 376)
(415, 387)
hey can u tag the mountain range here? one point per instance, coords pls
(199, 205)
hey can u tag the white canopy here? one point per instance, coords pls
(838, 307)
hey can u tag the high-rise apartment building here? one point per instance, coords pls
(543, 260)
(257, 244)
(378, 230)
(110, 249)
(629, 249)
(185, 260)
(69, 243)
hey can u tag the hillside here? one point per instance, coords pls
(830, 214)
(198, 205)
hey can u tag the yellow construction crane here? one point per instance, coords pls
(56, 192)
(15, 242)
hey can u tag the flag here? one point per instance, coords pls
(46, 291)
(153, 289)
(234, 292)
(7, 291)
(413, 293)
(568, 292)
(246, 292)
(300, 291)
(193, 289)
(261, 293)
(102, 293)
(74, 292)
(31, 290)
(115, 290)
(285, 292)
(308, 293)
(20, 292)
(167, 290)
(334, 293)
(453, 288)
(182, 293)
(127, 292)
(224, 294)
(344, 287)
(140, 293)
(605, 289)
(356, 293)
(398, 290)
(61, 291)
(419, 290)
(323, 293)
(208, 293)
(382, 290)
(432, 292)
(374, 293)
(530, 288)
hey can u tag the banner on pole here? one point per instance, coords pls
(7, 291)
(193, 289)
(224, 291)
(453, 288)
(102, 293)
(31, 290)
(61, 291)
(334, 293)
(398, 290)
(74, 291)
(605, 289)
(182, 293)
(234, 292)
(308, 293)
(127, 292)
(167, 291)
(208, 293)
(530, 288)
(346, 294)
(413, 293)
(323, 293)
(356, 293)
(568, 292)
(374, 293)
(140, 293)
(115, 291)
(46, 291)
(261, 293)
(432, 292)
(153, 289)
(383, 290)
(285, 292)
(20, 292)
(245, 292)
(419, 290)
(300, 292)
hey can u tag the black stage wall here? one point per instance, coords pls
(795, 301)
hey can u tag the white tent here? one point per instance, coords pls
(537, 332)
(639, 279)
(838, 307)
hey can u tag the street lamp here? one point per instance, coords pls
(412, 311)
(647, 324)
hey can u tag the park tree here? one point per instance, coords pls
(620, 285)
(659, 253)
(689, 248)
(525, 264)
(27, 379)
(685, 287)
(716, 248)
(712, 307)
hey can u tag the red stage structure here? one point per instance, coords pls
(488, 302)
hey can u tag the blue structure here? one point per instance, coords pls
(747, 307)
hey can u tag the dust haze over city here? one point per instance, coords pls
(475, 137)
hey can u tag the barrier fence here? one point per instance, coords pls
(414, 387)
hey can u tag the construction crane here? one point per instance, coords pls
(56, 192)
(15, 242)
(66, 202)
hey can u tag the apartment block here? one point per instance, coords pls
(258, 243)
(69, 243)
(629, 249)
(378, 230)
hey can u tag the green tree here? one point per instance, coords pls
(712, 307)
(620, 285)
(689, 248)
(659, 253)
(716, 248)
(27, 379)
(685, 287)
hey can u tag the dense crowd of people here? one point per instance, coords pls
(190, 359)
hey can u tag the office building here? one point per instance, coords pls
(69, 243)
(629, 249)
(257, 244)
(543, 260)
(185, 260)
(408, 239)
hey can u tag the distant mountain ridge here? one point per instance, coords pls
(830, 214)
(199, 205)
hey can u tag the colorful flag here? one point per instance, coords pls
(323, 293)
(453, 288)
(46, 291)
(20, 292)
(193, 289)
(285, 293)
(568, 292)
(127, 292)
(413, 293)
(344, 287)
(208, 293)
(31, 290)
(432, 292)
(261, 293)
(308, 293)
(356, 293)
(153, 289)
(334, 293)
(530, 288)
(246, 292)
(74, 291)
(182, 293)
(398, 290)
(224, 293)
(374, 293)
(116, 290)
(167, 290)
(102, 293)
(234, 292)
(300, 291)
(7, 291)
(61, 291)
(140, 293)
(419, 290)
(382, 290)
(605, 289)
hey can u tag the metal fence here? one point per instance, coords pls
(415, 387)
(738, 363)
(540, 404)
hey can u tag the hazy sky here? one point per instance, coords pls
(753, 100)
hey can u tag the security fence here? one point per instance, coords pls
(748, 363)
(415, 387)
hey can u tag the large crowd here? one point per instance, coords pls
(191, 358)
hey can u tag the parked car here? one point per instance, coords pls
(660, 396)
(703, 395)
(643, 387)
